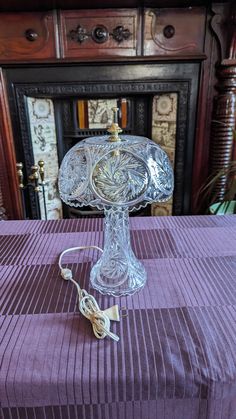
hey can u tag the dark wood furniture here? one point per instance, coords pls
(10, 203)
(28, 36)
(123, 33)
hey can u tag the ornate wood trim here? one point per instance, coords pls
(8, 179)
(223, 124)
(99, 34)
(214, 139)
(168, 32)
(232, 31)
(224, 112)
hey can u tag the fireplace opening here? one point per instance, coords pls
(51, 114)
(56, 126)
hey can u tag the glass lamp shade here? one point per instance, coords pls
(118, 177)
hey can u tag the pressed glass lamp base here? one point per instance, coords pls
(118, 272)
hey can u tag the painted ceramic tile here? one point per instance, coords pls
(164, 107)
(44, 141)
(164, 118)
(41, 110)
(100, 112)
(165, 133)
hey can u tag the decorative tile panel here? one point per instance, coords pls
(165, 132)
(100, 112)
(44, 141)
(164, 118)
(97, 113)
(164, 107)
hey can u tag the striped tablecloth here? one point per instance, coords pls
(176, 358)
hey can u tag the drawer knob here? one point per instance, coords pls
(169, 31)
(100, 34)
(31, 35)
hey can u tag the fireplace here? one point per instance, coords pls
(54, 108)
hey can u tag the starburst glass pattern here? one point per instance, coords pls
(74, 175)
(133, 172)
(120, 177)
(118, 271)
(161, 175)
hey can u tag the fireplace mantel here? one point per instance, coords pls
(109, 81)
(57, 44)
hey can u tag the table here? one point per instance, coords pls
(176, 357)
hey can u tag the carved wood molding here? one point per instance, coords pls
(232, 33)
(223, 124)
(224, 110)
(169, 32)
(217, 24)
(99, 34)
(223, 25)
(11, 207)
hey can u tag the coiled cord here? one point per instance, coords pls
(88, 306)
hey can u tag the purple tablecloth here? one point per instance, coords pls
(176, 358)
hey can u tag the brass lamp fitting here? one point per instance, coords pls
(19, 167)
(114, 129)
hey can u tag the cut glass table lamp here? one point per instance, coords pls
(116, 173)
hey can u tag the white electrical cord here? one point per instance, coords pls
(88, 306)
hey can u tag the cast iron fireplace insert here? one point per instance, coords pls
(139, 82)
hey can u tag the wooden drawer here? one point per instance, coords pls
(27, 36)
(174, 31)
(98, 33)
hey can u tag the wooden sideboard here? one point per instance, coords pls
(32, 36)
(97, 34)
